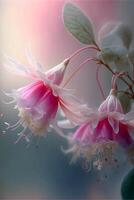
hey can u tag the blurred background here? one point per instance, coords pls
(44, 172)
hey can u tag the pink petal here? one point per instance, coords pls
(123, 137)
(31, 94)
(81, 132)
(56, 74)
(48, 104)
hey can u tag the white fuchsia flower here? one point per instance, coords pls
(38, 102)
(96, 139)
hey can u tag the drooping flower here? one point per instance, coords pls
(39, 101)
(97, 139)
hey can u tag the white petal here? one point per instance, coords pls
(114, 124)
(58, 130)
(12, 65)
(66, 124)
(129, 116)
(33, 61)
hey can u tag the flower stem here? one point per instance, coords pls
(124, 80)
(84, 48)
(129, 77)
(115, 78)
(125, 92)
(99, 83)
(77, 70)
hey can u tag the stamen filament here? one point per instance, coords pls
(21, 135)
(14, 125)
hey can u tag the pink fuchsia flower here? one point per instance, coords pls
(97, 139)
(39, 101)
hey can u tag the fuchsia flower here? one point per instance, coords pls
(38, 102)
(98, 137)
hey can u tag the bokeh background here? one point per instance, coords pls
(44, 172)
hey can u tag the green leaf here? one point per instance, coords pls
(127, 187)
(78, 24)
(116, 57)
(131, 56)
(115, 34)
(124, 32)
(106, 37)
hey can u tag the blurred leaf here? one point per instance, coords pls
(124, 32)
(116, 57)
(115, 34)
(105, 36)
(127, 187)
(131, 56)
(78, 24)
(125, 102)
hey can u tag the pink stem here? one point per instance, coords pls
(99, 83)
(114, 79)
(82, 49)
(75, 72)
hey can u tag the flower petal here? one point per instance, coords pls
(114, 124)
(56, 74)
(66, 124)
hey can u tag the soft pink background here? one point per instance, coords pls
(39, 22)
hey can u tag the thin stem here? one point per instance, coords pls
(129, 77)
(97, 46)
(84, 48)
(115, 78)
(125, 92)
(77, 70)
(112, 81)
(99, 83)
(108, 67)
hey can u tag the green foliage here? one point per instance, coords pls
(78, 24)
(116, 57)
(125, 34)
(131, 56)
(115, 34)
(127, 187)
